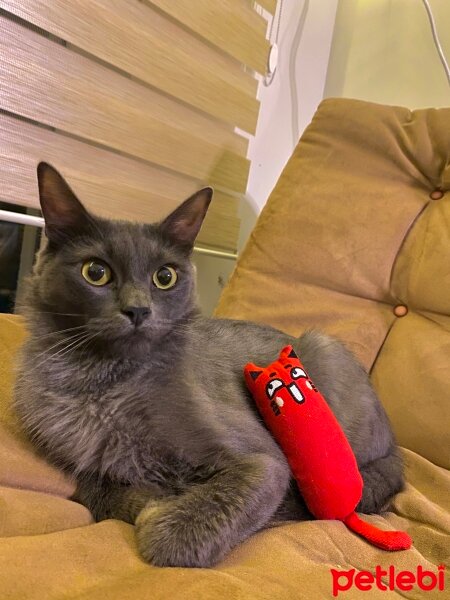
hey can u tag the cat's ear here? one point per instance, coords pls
(64, 214)
(183, 224)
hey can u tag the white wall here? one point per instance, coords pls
(212, 274)
(383, 52)
(306, 30)
(288, 104)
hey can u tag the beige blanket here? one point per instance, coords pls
(51, 549)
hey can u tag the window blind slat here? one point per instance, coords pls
(231, 25)
(269, 5)
(110, 185)
(48, 83)
(140, 41)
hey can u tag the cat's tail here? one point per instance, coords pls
(386, 540)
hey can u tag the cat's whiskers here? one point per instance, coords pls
(69, 338)
(51, 312)
(73, 346)
(85, 349)
(58, 332)
(80, 339)
(72, 339)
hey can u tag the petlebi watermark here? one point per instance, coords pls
(387, 579)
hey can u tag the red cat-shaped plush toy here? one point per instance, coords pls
(318, 452)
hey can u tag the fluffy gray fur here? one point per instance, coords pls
(154, 421)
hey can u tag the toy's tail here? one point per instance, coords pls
(386, 540)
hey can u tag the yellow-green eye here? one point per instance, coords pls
(165, 278)
(96, 272)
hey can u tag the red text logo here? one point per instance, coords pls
(388, 579)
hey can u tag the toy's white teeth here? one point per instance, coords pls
(296, 393)
(279, 401)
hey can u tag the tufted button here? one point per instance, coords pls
(400, 310)
(436, 194)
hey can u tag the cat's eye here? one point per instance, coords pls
(165, 277)
(96, 272)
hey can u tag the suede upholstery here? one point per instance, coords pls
(348, 234)
(352, 211)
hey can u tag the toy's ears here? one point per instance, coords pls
(288, 352)
(252, 371)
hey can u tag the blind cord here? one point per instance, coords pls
(273, 52)
(437, 43)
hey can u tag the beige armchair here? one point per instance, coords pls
(354, 240)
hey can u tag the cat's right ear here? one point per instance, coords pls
(183, 224)
(64, 214)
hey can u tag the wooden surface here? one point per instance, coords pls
(136, 101)
(50, 84)
(231, 25)
(140, 41)
(269, 5)
(110, 185)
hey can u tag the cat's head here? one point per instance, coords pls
(124, 285)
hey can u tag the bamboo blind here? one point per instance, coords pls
(136, 102)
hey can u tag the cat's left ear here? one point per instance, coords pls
(183, 224)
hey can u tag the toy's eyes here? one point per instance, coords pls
(96, 272)
(296, 373)
(165, 277)
(273, 386)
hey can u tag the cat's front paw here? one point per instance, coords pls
(169, 536)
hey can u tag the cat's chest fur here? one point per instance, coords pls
(100, 418)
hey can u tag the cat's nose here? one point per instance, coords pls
(136, 314)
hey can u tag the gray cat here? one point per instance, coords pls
(126, 387)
